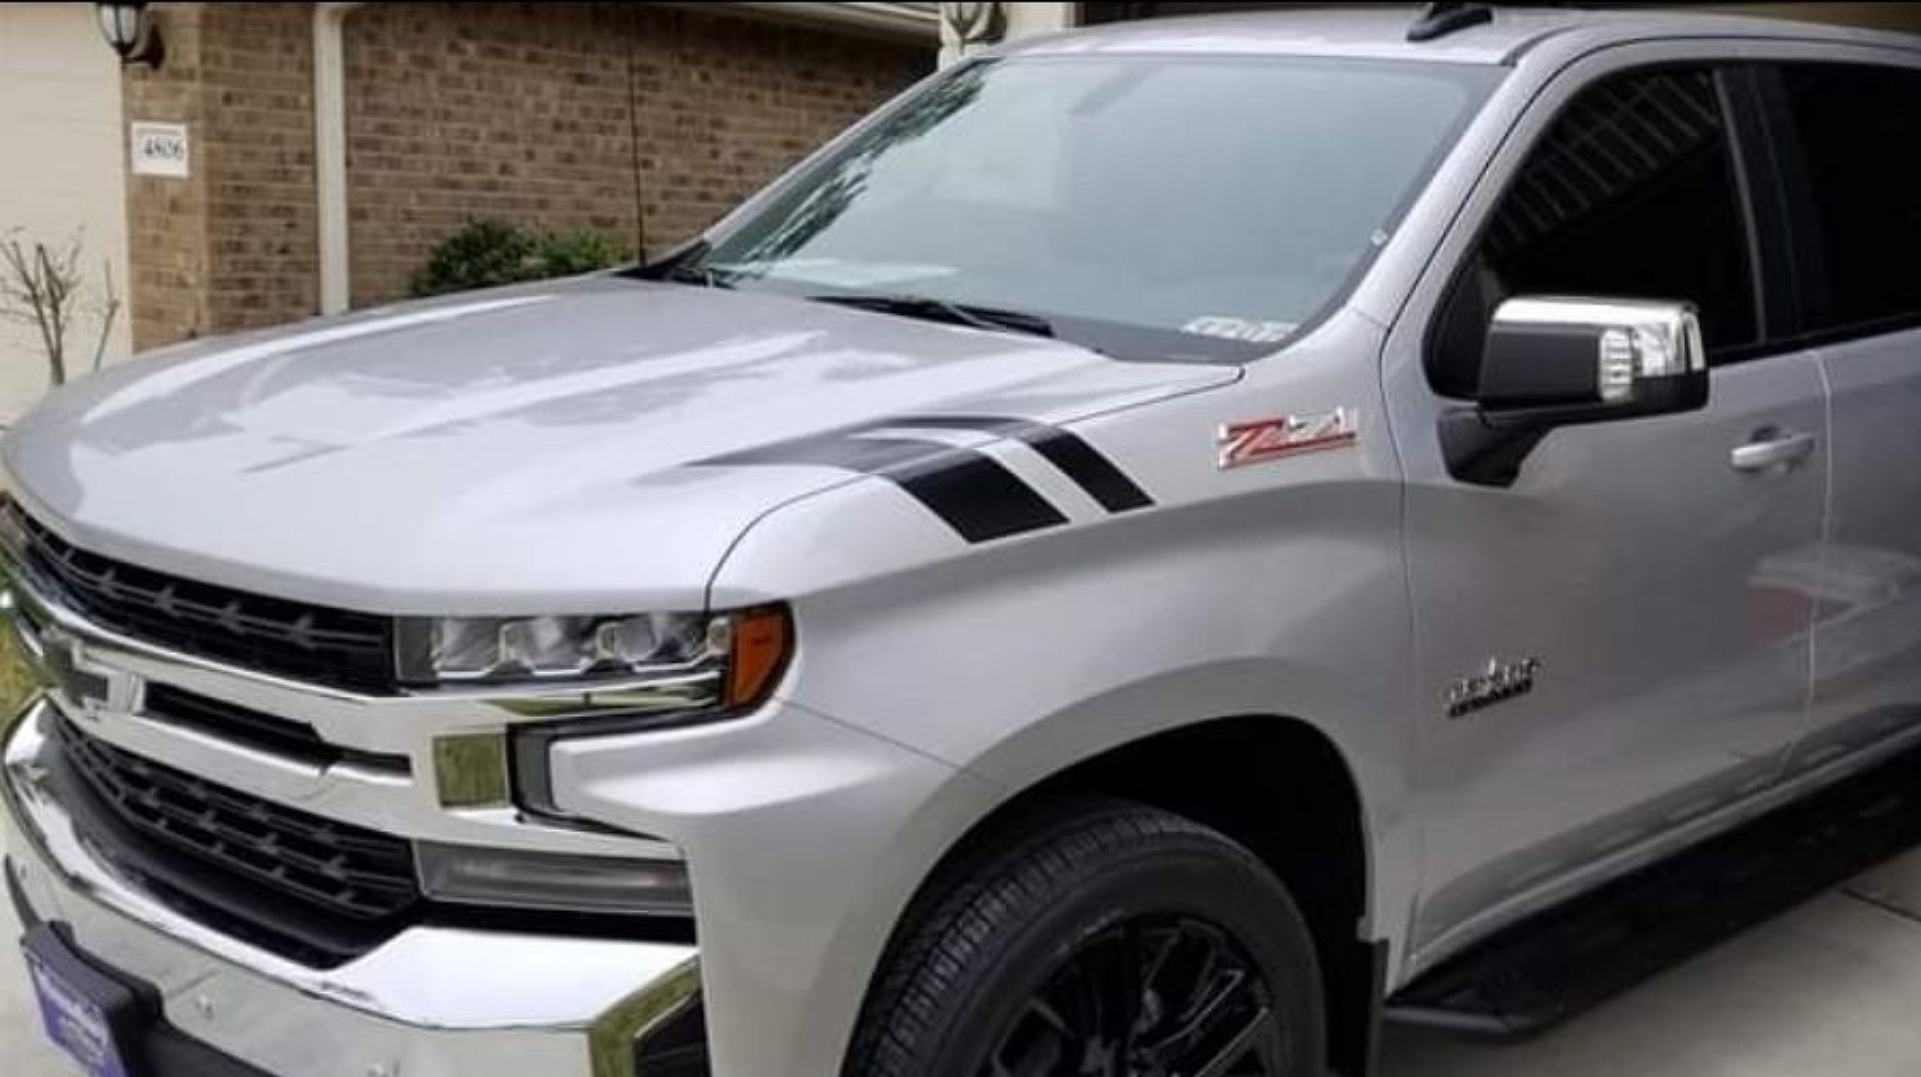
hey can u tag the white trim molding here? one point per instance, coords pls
(918, 21)
(330, 152)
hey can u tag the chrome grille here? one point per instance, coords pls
(318, 644)
(284, 737)
(345, 878)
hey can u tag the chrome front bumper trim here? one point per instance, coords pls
(432, 1002)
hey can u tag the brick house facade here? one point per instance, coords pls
(643, 121)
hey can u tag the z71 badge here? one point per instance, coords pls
(1260, 440)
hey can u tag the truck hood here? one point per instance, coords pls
(541, 449)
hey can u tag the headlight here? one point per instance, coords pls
(675, 660)
(501, 649)
(581, 676)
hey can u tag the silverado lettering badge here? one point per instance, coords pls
(1287, 435)
(1500, 682)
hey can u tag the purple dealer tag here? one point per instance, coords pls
(75, 1024)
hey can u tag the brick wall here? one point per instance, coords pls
(629, 118)
(166, 218)
(262, 215)
(232, 246)
(622, 117)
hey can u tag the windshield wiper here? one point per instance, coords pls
(683, 265)
(695, 273)
(941, 310)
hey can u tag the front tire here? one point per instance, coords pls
(1098, 939)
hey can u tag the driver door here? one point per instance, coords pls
(1635, 590)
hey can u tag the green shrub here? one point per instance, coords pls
(583, 250)
(480, 254)
(488, 252)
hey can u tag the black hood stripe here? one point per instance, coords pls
(970, 491)
(975, 494)
(1070, 454)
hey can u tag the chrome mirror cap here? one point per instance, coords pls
(1635, 339)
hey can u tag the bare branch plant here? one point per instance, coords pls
(42, 287)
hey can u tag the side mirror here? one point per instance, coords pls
(1606, 358)
(1560, 362)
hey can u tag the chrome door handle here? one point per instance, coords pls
(1772, 450)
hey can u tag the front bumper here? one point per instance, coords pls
(432, 1002)
(805, 838)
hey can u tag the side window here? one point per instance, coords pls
(1859, 131)
(1630, 194)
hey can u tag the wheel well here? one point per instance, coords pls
(1280, 788)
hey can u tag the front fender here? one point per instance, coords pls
(1244, 591)
(1019, 660)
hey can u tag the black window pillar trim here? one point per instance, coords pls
(1772, 270)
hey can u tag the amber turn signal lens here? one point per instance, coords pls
(761, 642)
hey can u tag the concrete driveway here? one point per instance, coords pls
(1832, 989)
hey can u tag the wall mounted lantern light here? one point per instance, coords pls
(128, 27)
(974, 24)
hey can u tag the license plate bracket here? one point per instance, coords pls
(93, 1018)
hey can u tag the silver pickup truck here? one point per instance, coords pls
(1163, 550)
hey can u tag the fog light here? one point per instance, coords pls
(513, 878)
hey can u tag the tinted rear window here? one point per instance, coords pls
(1859, 131)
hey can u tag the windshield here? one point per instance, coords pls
(1149, 207)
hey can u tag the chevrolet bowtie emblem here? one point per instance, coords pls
(87, 686)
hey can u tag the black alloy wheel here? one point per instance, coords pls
(1156, 997)
(1097, 938)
